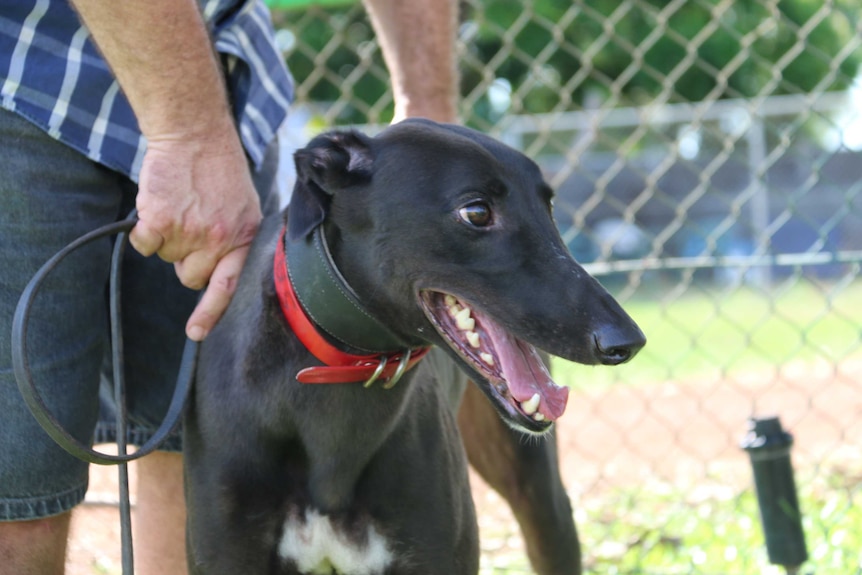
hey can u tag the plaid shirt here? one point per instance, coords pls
(52, 74)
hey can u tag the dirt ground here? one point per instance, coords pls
(675, 433)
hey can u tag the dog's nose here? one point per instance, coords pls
(618, 344)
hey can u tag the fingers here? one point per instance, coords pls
(145, 239)
(196, 269)
(214, 302)
(194, 259)
(175, 234)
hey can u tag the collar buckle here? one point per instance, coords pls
(381, 366)
(402, 367)
(376, 375)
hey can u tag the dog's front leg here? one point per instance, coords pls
(525, 472)
(233, 511)
(218, 546)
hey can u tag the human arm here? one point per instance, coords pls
(196, 203)
(418, 42)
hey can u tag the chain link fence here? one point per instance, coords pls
(705, 156)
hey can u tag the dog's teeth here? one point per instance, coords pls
(473, 339)
(464, 321)
(539, 417)
(454, 310)
(487, 358)
(450, 300)
(531, 405)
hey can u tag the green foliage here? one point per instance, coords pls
(556, 54)
(640, 51)
(328, 59)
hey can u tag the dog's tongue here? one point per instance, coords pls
(525, 373)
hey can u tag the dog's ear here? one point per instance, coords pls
(329, 162)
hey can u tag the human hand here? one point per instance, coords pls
(197, 207)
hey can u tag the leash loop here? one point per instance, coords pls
(46, 419)
(24, 377)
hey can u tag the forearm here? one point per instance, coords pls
(196, 203)
(418, 42)
(162, 57)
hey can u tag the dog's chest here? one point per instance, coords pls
(318, 546)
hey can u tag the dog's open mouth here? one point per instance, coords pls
(512, 367)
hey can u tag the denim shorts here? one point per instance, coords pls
(50, 195)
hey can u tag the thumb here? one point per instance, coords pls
(145, 239)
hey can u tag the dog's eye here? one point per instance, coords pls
(476, 214)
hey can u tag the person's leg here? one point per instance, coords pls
(49, 195)
(159, 519)
(34, 547)
(155, 307)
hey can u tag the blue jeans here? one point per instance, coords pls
(50, 195)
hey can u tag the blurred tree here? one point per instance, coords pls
(639, 50)
(557, 54)
(330, 54)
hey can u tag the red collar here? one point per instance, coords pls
(340, 366)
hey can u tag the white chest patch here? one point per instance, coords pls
(318, 548)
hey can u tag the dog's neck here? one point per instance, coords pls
(329, 319)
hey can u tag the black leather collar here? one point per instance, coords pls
(329, 300)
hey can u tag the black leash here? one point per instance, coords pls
(53, 427)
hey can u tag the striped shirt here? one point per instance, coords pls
(52, 74)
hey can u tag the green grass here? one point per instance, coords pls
(708, 332)
(658, 530)
(658, 533)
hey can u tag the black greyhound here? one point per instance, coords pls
(426, 235)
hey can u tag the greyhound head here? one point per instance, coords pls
(447, 236)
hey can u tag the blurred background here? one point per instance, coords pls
(706, 160)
